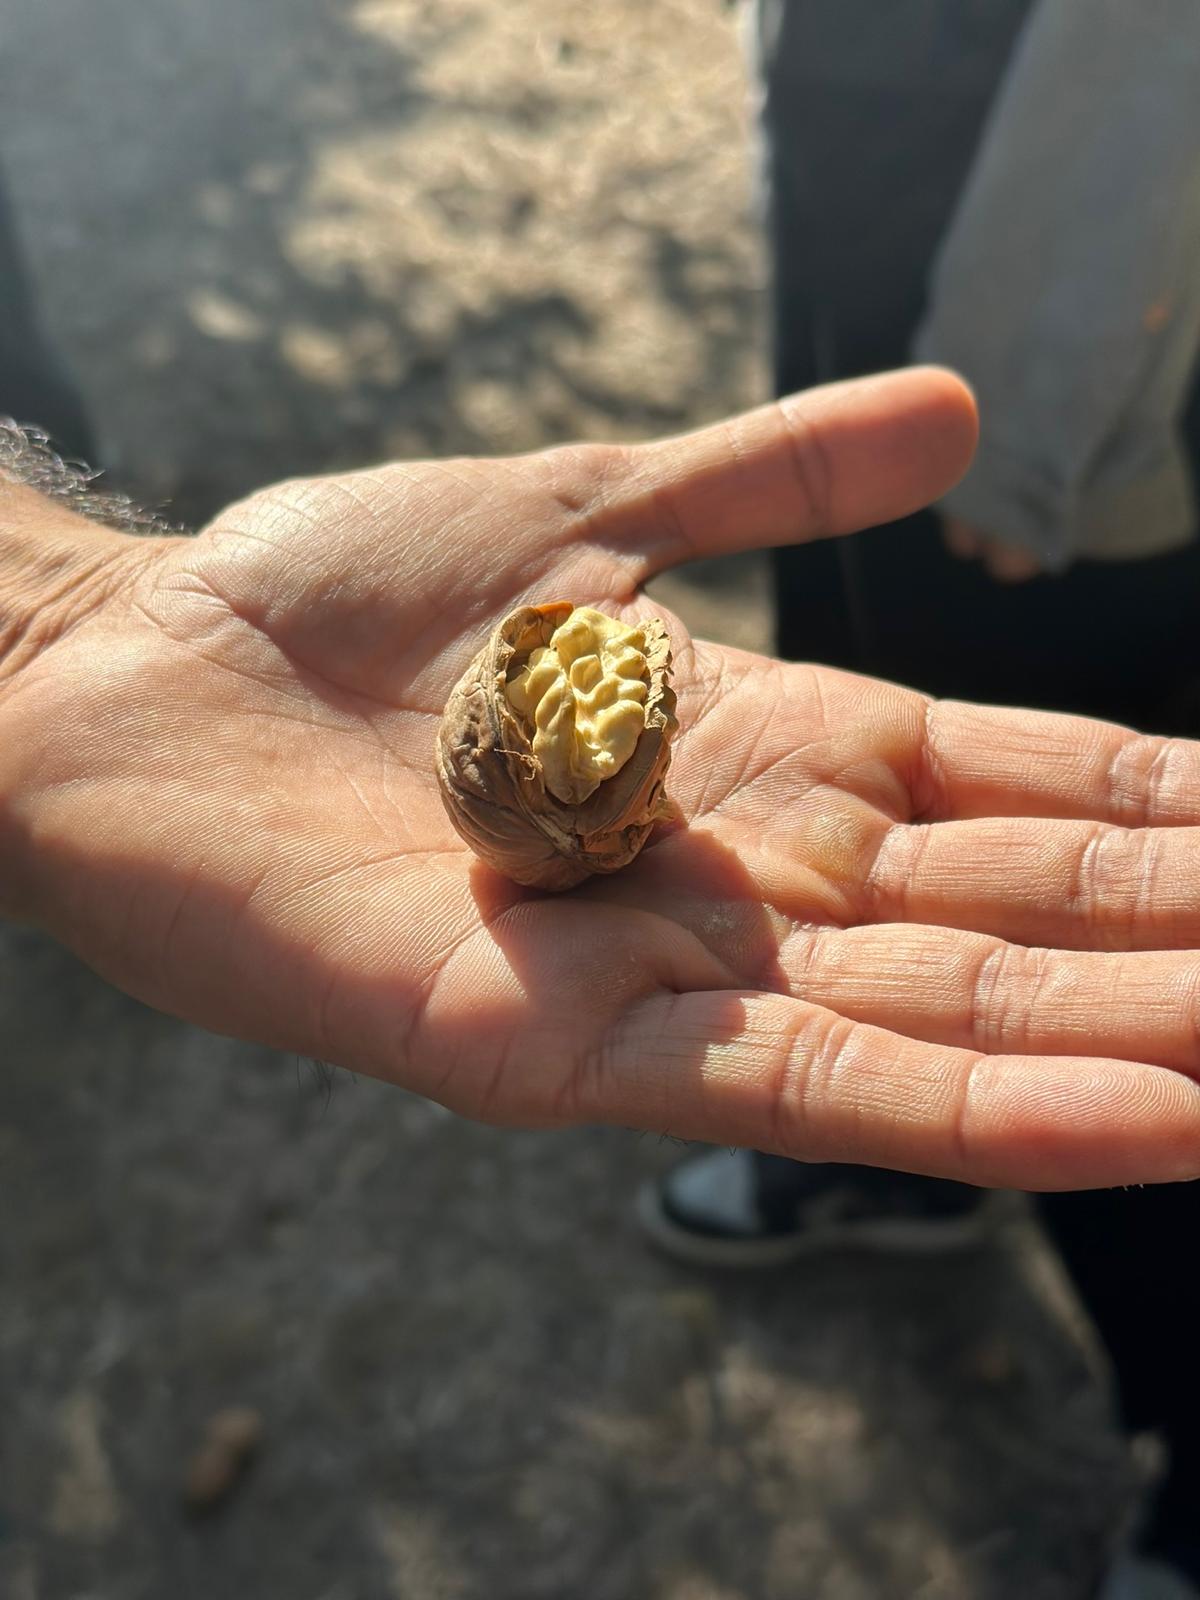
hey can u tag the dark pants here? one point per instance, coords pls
(34, 386)
(862, 180)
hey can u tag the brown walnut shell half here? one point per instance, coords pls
(492, 784)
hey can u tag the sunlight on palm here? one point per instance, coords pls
(239, 821)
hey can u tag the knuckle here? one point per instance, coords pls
(964, 1122)
(810, 466)
(1002, 999)
(803, 1087)
(1139, 784)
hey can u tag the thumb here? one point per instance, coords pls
(827, 461)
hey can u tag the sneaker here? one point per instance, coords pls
(737, 1208)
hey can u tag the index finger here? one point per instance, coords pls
(992, 761)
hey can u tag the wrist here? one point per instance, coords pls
(57, 571)
(55, 568)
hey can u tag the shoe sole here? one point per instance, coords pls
(882, 1236)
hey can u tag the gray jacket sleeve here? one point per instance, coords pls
(1067, 288)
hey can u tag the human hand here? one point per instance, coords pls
(1006, 563)
(933, 937)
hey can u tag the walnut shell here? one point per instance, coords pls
(492, 783)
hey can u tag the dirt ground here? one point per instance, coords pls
(276, 238)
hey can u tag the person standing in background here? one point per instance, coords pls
(1011, 188)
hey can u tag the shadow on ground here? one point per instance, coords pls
(474, 1380)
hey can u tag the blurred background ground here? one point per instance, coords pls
(305, 234)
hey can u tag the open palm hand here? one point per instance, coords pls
(935, 937)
